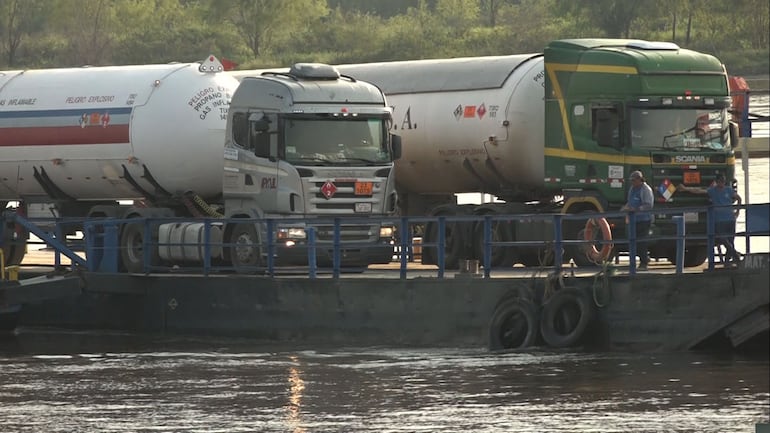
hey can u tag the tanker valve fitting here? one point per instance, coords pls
(493, 139)
(133, 160)
(57, 161)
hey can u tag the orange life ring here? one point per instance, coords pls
(596, 255)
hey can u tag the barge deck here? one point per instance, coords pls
(609, 307)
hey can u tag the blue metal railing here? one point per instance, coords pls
(103, 249)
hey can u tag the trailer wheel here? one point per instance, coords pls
(502, 256)
(693, 256)
(453, 241)
(14, 244)
(245, 248)
(132, 242)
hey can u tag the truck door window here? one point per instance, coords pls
(605, 126)
(262, 129)
(241, 129)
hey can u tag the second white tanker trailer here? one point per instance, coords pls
(181, 140)
(560, 132)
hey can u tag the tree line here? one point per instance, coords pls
(268, 33)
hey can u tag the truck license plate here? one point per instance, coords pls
(692, 178)
(363, 188)
(363, 208)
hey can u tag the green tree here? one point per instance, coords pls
(614, 17)
(18, 19)
(91, 29)
(263, 22)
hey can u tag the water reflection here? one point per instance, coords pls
(167, 385)
(296, 388)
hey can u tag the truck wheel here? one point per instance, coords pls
(535, 257)
(245, 249)
(453, 240)
(132, 248)
(502, 256)
(598, 249)
(693, 256)
(14, 245)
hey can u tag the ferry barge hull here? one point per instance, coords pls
(643, 312)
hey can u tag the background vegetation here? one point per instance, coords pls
(267, 33)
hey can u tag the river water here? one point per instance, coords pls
(120, 383)
(53, 381)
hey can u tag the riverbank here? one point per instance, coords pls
(757, 147)
(758, 83)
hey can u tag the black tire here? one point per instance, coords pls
(535, 257)
(453, 241)
(693, 256)
(514, 325)
(502, 256)
(132, 248)
(245, 249)
(14, 245)
(565, 317)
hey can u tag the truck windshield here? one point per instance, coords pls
(688, 129)
(353, 140)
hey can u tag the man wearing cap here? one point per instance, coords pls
(640, 201)
(722, 198)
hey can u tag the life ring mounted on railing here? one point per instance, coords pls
(593, 227)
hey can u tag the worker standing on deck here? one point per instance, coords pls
(722, 197)
(640, 201)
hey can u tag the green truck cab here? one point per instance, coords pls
(614, 106)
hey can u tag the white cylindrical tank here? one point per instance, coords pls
(467, 124)
(87, 133)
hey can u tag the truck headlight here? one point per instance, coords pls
(291, 233)
(386, 232)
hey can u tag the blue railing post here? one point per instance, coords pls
(336, 262)
(710, 237)
(111, 248)
(94, 247)
(632, 243)
(440, 247)
(406, 245)
(206, 246)
(57, 255)
(487, 245)
(558, 247)
(270, 247)
(311, 253)
(146, 245)
(679, 221)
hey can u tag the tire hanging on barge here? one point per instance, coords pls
(565, 317)
(514, 324)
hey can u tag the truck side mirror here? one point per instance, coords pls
(734, 135)
(395, 146)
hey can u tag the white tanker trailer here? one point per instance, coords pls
(74, 142)
(72, 139)
(559, 131)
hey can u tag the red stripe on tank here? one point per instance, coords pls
(63, 135)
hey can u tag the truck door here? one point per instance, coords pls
(263, 141)
(610, 132)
